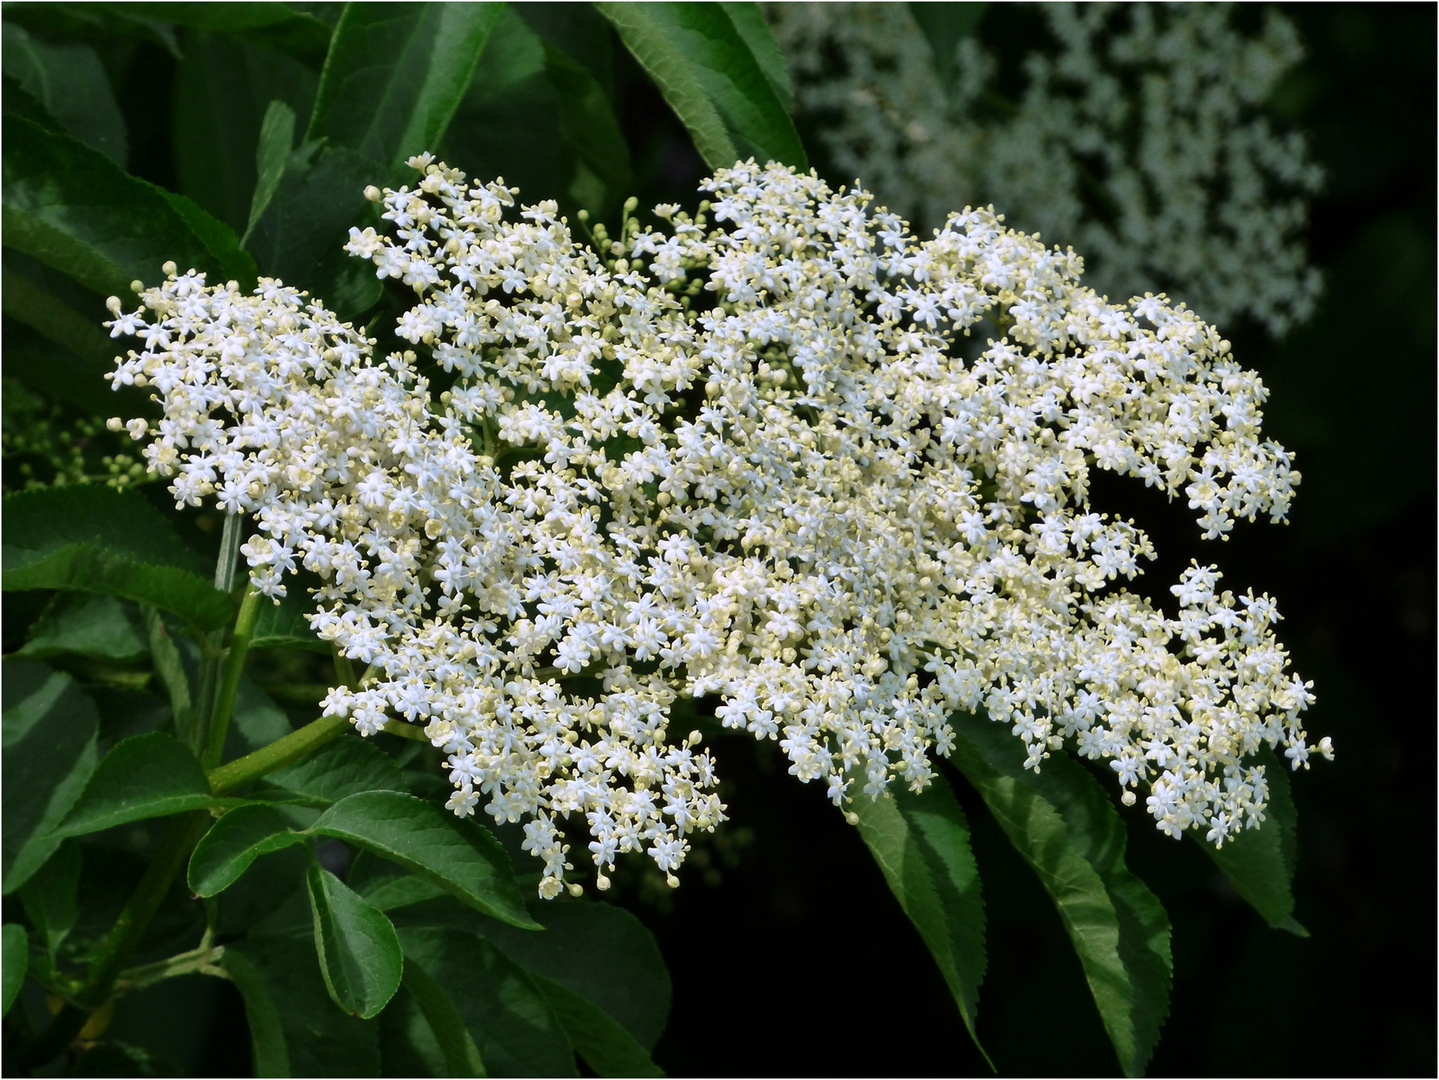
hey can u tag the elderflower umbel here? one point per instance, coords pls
(791, 457)
(1140, 138)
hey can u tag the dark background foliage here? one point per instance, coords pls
(790, 957)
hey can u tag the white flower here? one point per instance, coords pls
(850, 499)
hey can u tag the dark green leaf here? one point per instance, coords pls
(276, 26)
(49, 734)
(944, 25)
(508, 1016)
(70, 82)
(597, 1037)
(50, 896)
(359, 953)
(1063, 824)
(277, 139)
(460, 855)
(588, 124)
(88, 624)
(223, 87)
(712, 79)
(233, 843)
(31, 303)
(395, 75)
(750, 24)
(461, 1055)
(267, 1034)
(97, 539)
(321, 1039)
(301, 237)
(284, 626)
(170, 670)
(145, 776)
(1260, 862)
(388, 886)
(257, 721)
(602, 953)
(14, 962)
(74, 209)
(345, 766)
(921, 843)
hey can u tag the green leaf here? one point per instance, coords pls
(396, 73)
(462, 1056)
(267, 1033)
(14, 962)
(1260, 862)
(223, 87)
(88, 624)
(602, 953)
(387, 886)
(749, 23)
(602, 1041)
(344, 766)
(170, 670)
(284, 626)
(144, 776)
(921, 843)
(70, 82)
(360, 955)
(1063, 824)
(74, 209)
(233, 843)
(277, 139)
(587, 121)
(320, 1038)
(944, 25)
(274, 25)
(301, 236)
(97, 539)
(49, 734)
(461, 856)
(712, 78)
(256, 722)
(50, 896)
(508, 1016)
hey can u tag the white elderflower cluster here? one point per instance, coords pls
(791, 457)
(1140, 138)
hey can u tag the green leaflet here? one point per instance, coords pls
(277, 139)
(601, 953)
(277, 26)
(49, 733)
(284, 626)
(74, 209)
(921, 843)
(712, 78)
(50, 897)
(1260, 862)
(395, 74)
(510, 1019)
(295, 1014)
(605, 1044)
(345, 766)
(233, 843)
(97, 539)
(461, 1055)
(1065, 827)
(144, 776)
(88, 624)
(359, 953)
(14, 962)
(70, 82)
(462, 856)
(267, 1033)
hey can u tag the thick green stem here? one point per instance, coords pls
(230, 684)
(279, 753)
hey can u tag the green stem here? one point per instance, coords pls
(203, 960)
(230, 684)
(279, 753)
(405, 730)
(213, 644)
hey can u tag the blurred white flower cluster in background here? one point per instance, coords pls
(781, 453)
(1141, 139)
